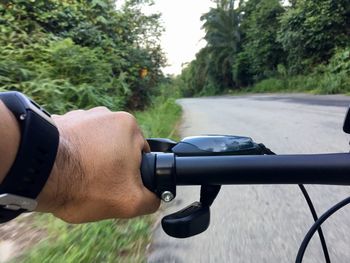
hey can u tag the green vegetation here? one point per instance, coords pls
(269, 45)
(106, 241)
(332, 78)
(70, 54)
(160, 119)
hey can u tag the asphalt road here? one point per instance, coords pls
(263, 223)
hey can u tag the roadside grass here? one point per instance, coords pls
(109, 240)
(160, 119)
(326, 83)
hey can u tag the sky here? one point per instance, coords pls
(182, 38)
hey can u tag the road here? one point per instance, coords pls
(263, 223)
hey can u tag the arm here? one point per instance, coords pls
(96, 174)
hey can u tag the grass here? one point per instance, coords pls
(326, 83)
(109, 240)
(160, 119)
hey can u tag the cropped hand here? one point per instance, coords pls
(97, 170)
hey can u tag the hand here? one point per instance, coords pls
(97, 170)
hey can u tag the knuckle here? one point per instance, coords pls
(100, 109)
(74, 113)
(125, 115)
(128, 119)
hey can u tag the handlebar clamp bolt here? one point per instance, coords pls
(167, 196)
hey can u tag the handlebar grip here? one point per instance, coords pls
(148, 167)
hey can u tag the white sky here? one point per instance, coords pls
(182, 37)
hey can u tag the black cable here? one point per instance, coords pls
(314, 215)
(311, 207)
(317, 225)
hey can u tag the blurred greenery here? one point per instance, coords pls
(70, 54)
(271, 45)
(106, 241)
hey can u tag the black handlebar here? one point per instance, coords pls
(212, 161)
(331, 169)
(264, 169)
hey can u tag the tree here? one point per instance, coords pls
(310, 30)
(83, 53)
(261, 52)
(221, 25)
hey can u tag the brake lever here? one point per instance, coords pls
(195, 218)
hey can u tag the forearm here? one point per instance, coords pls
(9, 140)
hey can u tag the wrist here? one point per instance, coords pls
(53, 194)
(64, 177)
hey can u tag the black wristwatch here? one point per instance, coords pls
(35, 157)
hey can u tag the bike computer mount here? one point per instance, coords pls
(195, 218)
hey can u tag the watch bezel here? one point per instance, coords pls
(29, 104)
(16, 202)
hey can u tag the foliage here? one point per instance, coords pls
(160, 119)
(332, 78)
(261, 53)
(105, 241)
(69, 54)
(221, 25)
(81, 53)
(311, 30)
(340, 62)
(320, 84)
(266, 42)
(196, 77)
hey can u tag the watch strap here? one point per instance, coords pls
(34, 161)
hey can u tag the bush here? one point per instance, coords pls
(326, 83)
(334, 83)
(84, 53)
(270, 85)
(340, 62)
(64, 76)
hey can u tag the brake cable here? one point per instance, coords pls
(317, 225)
(302, 249)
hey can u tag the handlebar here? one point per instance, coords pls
(212, 161)
(159, 169)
